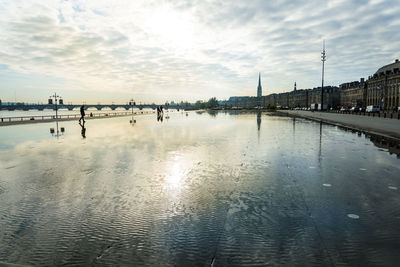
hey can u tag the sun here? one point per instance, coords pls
(171, 28)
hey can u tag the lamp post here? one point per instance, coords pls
(323, 59)
(55, 96)
(132, 103)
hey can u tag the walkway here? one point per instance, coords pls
(374, 125)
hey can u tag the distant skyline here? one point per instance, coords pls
(157, 51)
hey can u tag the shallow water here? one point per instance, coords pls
(51, 112)
(222, 188)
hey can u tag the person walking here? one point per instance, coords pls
(82, 109)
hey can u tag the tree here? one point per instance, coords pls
(212, 103)
(199, 104)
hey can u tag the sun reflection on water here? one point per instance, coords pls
(175, 172)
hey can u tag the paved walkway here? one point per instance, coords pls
(373, 125)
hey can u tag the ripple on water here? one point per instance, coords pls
(115, 209)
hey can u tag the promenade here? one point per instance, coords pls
(373, 125)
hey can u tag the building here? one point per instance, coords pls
(331, 96)
(282, 100)
(259, 88)
(354, 94)
(383, 87)
(243, 101)
(298, 98)
(268, 101)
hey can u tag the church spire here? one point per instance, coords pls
(259, 88)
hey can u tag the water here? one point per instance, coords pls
(223, 188)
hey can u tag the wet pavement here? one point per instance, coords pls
(219, 189)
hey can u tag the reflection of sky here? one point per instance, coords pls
(186, 186)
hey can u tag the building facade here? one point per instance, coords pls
(354, 94)
(381, 89)
(298, 98)
(384, 87)
(268, 101)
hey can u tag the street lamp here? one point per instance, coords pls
(132, 103)
(55, 96)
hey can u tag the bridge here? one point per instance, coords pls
(22, 106)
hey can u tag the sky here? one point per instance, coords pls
(157, 51)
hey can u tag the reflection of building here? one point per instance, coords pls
(258, 120)
(384, 87)
(354, 93)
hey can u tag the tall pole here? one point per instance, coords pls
(323, 59)
(131, 102)
(55, 101)
(55, 96)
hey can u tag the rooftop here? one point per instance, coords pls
(389, 67)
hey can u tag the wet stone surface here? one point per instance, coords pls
(207, 188)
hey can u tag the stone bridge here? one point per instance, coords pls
(87, 106)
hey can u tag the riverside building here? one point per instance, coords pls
(384, 87)
(381, 89)
(354, 94)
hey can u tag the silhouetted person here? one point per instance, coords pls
(82, 109)
(161, 110)
(83, 130)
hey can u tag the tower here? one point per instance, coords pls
(295, 86)
(259, 88)
(323, 59)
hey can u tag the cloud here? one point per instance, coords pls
(195, 49)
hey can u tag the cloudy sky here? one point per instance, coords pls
(153, 51)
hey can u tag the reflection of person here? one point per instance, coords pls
(83, 130)
(160, 117)
(82, 109)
